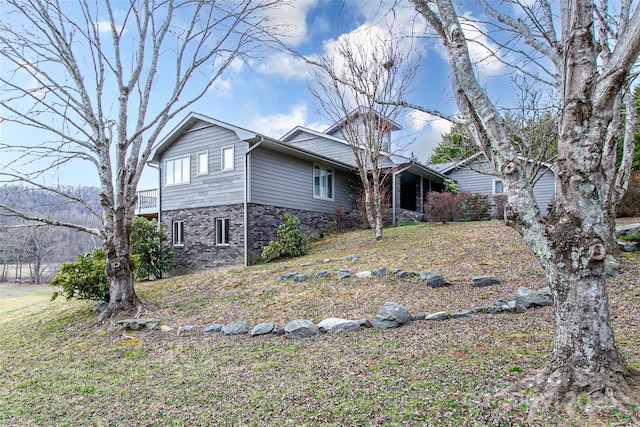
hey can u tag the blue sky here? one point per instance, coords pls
(271, 96)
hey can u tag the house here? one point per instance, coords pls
(222, 188)
(476, 175)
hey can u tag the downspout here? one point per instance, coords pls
(246, 200)
(393, 194)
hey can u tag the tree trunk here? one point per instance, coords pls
(119, 263)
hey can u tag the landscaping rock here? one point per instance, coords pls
(364, 323)
(418, 316)
(237, 327)
(299, 278)
(433, 280)
(625, 230)
(439, 315)
(305, 264)
(528, 298)
(216, 327)
(459, 314)
(611, 266)
(262, 329)
(100, 307)
(381, 272)
(363, 274)
(627, 246)
(278, 331)
(301, 328)
(480, 281)
(138, 323)
(335, 325)
(343, 273)
(289, 275)
(402, 274)
(391, 315)
(166, 328)
(493, 309)
(188, 328)
(322, 274)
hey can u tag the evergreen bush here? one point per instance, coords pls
(290, 240)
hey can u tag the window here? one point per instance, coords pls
(177, 171)
(222, 231)
(203, 163)
(178, 233)
(322, 182)
(498, 188)
(227, 159)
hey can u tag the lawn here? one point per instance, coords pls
(59, 367)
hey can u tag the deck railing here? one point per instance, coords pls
(147, 201)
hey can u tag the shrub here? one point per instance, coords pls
(291, 241)
(450, 186)
(153, 257)
(442, 207)
(475, 207)
(83, 279)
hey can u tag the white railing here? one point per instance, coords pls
(147, 201)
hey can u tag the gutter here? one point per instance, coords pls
(246, 202)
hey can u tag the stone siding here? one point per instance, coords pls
(200, 250)
(264, 221)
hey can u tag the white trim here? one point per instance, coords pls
(329, 172)
(232, 166)
(188, 169)
(178, 241)
(493, 186)
(223, 219)
(200, 153)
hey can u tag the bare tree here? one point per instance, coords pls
(586, 52)
(102, 80)
(354, 84)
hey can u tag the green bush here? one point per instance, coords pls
(450, 186)
(83, 279)
(290, 242)
(153, 257)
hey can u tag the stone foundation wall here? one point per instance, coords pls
(264, 221)
(200, 250)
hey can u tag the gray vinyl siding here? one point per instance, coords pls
(471, 180)
(217, 187)
(283, 181)
(334, 149)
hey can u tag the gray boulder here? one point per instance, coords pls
(343, 273)
(459, 314)
(528, 298)
(433, 280)
(289, 275)
(262, 329)
(480, 281)
(627, 246)
(216, 327)
(381, 272)
(334, 325)
(299, 278)
(301, 328)
(237, 327)
(625, 230)
(418, 316)
(438, 315)
(363, 274)
(611, 266)
(402, 274)
(322, 274)
(391, 315)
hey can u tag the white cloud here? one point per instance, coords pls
(286, 66)
(430, 129)
(290, 19)
(279, 124)
(481, 48)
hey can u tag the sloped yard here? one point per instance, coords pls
(60, 368)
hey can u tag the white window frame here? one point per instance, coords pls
(177, 233)
(227, 167)
(223, 237)
(201, 170)
(330, 187)
(185, 164)
(493, 186)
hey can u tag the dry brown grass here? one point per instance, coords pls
(59, 368)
